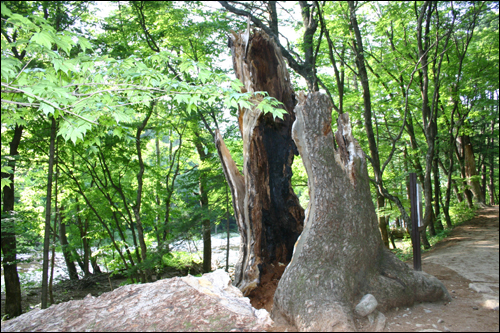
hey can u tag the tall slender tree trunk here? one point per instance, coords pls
(205, 222)
(170, 179)
(471, 171)
(382, 221)
(437, 195)
(451, 183)
(157, 194)
(46, 243)
(460, 154)
(460, 195)
(53, 256)
(138, 200)
(70, 264)
(83, 227)
(430, 101)
(446, 206)
(363, 76)
(54, 228)
(491, 184)
(432, 229)
(12, 286)
(424, 18)
(484, 178)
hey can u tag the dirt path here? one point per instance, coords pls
(466, 262)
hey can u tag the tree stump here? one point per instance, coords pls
(268, 212)
(339, 256)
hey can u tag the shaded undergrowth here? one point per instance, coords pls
(459, 215)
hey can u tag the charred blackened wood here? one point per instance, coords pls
(269, 215)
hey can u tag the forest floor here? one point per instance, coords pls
(466, 261)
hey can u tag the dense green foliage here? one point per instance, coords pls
(137, 89)
(99, 99)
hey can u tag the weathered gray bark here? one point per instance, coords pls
(268, 213)
(339, 256)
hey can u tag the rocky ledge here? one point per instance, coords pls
(207, 303)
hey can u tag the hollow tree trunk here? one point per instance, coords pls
(339, 256)
(268, 212)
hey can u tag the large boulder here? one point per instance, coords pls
(207, 303)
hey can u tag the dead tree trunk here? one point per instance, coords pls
(267, 210)
(339, 256)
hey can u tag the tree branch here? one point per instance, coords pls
(299, 68)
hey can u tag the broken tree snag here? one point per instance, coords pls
(270, 218)
(339, 256)
(236, 184)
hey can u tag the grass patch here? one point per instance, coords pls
(180, 260)
(459, 214)
(404, 249)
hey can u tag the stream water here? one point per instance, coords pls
(30, 267)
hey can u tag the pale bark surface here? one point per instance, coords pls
(189, 304)
(267, 210)
(339, 256)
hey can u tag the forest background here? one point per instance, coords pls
(109, 113)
